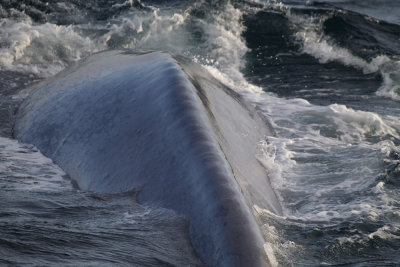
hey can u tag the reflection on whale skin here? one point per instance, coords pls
(121, 121)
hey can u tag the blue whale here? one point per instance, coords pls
(160, 124)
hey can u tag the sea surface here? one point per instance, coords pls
(326, 73)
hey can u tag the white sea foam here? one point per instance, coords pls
(310, 34)
(390, 71)
(385, 232)
(312, 141)
(43, 49)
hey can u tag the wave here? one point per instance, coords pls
(197, 30)
(210, 33)
(329, 35)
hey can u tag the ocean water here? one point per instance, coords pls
(325, 73)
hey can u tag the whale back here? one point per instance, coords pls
(122, 121)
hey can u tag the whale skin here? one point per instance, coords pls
(162, 125)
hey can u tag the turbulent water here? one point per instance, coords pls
(326, 74)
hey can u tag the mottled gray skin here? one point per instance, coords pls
(122, 121)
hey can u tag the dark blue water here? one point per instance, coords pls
(325, 73)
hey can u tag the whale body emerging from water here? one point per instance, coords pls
(121, 121)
